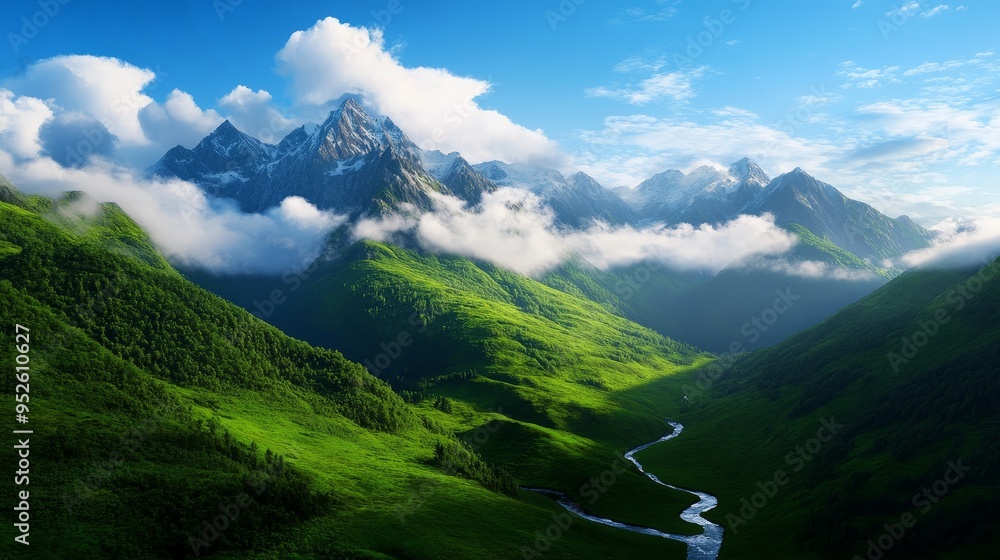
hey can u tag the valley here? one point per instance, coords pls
(368, 313)
(467, 347)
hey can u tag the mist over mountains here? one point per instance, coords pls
(528, 218)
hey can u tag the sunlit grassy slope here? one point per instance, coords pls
(556, 365)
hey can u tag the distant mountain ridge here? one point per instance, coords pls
(576, 200)
(358, 164)
(710, 196)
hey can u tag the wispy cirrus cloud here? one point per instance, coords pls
(905, 10)
(667, 86)
(659, 11)
(631, 148)
(867, 78)
(929, 13)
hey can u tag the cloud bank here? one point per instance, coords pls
(961, 242)
(188, 228)
(511, 228)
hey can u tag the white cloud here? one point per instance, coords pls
(511, 228)
(108, 89)
(20, 119)
(813, 270)
(252, 112)
(72, 139)
(640, 64)
(436, 108)
(735, 112)
(299, 211)
(630, 149)
(112, 92)
(982, 63)
(866, 78)
(186, 226)
(857, 4)
(935, 10)
(641, 15)
(970, 131)
(675, 86)
(904, 11)
(961, 242)
(683, 247)
(179, 121)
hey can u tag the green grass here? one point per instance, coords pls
(563, 371)
(812, 247)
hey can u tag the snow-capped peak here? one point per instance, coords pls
(746, 170)
(227, 141)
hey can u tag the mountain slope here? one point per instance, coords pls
(730, 311)
(706, 195)
(555, 364)
(710, 196)
(576, 201)
(797, 197)
(352, 163)
(910, 374)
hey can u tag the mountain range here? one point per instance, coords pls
(358, 164)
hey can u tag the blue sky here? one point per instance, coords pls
(893, 102)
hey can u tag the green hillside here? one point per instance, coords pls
(486, 339)
(157, 407)
(156, 404)
(908, 414)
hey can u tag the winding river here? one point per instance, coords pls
(700, 547)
